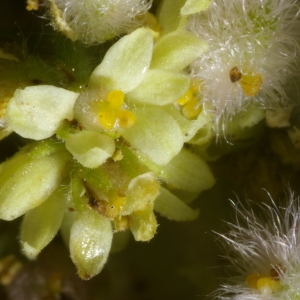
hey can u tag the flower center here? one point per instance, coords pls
(112, 114)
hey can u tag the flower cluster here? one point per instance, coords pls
(264, 249)
(252, 53)
(118, 149)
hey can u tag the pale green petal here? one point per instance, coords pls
(159, 87)
(168, 15)
(177, 50)
(169, 206)
(143, 225)
(37, 111)
(42, 223)
(90, 148)
(125, 63)
(141, 193)
(194, 6)
(28, 184)
(156, 134)
(188, 172)
(202, 127)
(90, 241)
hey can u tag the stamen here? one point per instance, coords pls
(115, 99)
(191, 107)
(267, 285)
(107, 119)
(112, 114)
(126, 118)
(251, 84)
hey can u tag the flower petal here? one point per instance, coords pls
(201, 127)
(159, 87)
(141, 193)
(156, 134)
(168, 14)
(194, 6)
(90, 148)
(37, 111)
(169, 206)
(41, 224)
(187, 172)
(143, 225)
(177, 50)
(125, 63)
(90, 241)
(27, 181)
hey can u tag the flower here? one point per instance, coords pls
(264, 249)
(131, 93)
(97, 21)
(126, 135)
(252, 53)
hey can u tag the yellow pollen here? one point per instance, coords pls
(126, 118)
(112, 114)
(265, 285)
(115, 99)
(107, 118)
(192, 109)
(252, 279)
(191, 106)
(188, 96)
(251, 84)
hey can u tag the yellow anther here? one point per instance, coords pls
(268, 285)
(126, 118)
(115, 99)
(112, 115)
(188, 96)
(107, 118)
(251, 84)
(192, 109)
(252, 279)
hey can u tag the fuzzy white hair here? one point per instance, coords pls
(259, 37)
(96, 21)
(257, 245)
